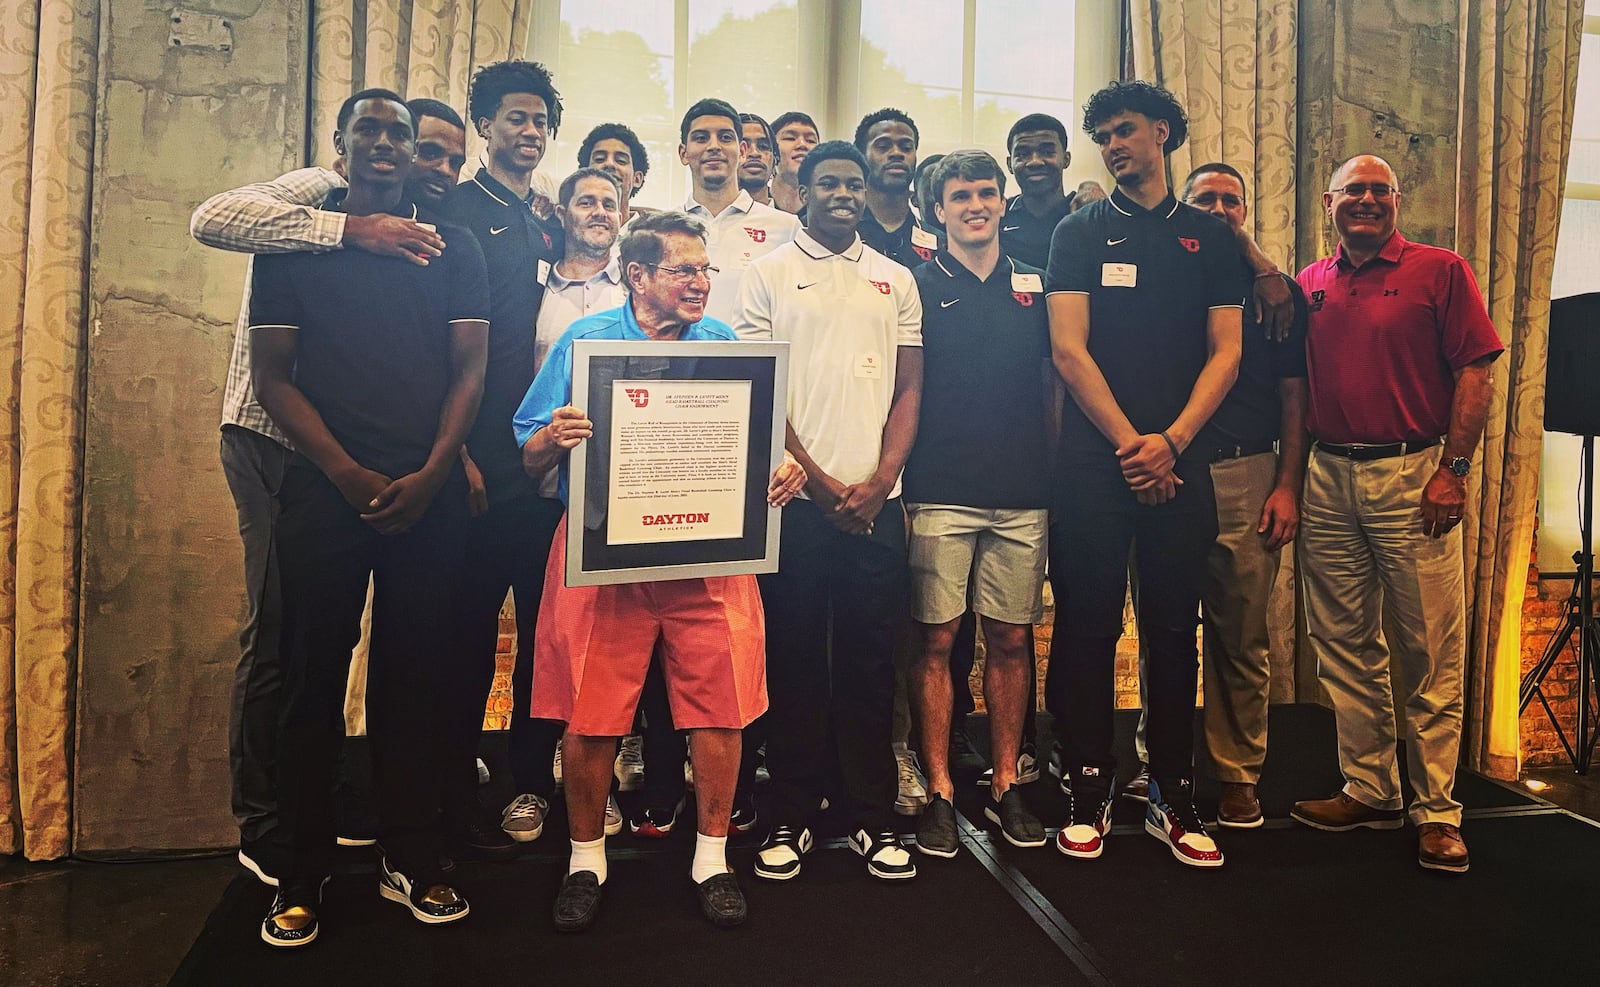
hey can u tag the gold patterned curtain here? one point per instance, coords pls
(1519, 77)
(48, 64)
(415, 47)
(1232, 64)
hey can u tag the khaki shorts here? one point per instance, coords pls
(1001, 550)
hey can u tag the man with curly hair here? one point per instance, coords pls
(1145, 300)
(616, 150)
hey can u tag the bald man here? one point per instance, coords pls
(1399, 350)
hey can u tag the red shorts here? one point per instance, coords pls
(593, 646)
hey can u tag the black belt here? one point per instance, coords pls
(1243, 449)
(1363, 453)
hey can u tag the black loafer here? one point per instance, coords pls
(722, 901)
(578, 901)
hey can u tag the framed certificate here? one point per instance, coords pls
(673, 484)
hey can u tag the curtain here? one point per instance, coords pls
(1232, 65)
(1519, 78)
(48, 80)
(415, 47)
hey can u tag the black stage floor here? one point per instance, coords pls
(1291, 905)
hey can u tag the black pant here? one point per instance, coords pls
(863, 582)
(1096, 521)
(326, 554)
(507, 548)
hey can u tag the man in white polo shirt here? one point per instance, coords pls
(738, 229)
(853, 321)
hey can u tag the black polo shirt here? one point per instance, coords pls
(520, 254)
(1152, 278)
(985, 346)
(1026, 236)
(909, 246)
(1252, 413)
(373, 350)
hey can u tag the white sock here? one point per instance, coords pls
(589, 856)
(710, 857)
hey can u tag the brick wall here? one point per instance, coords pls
(1543, 610)
(498, 714)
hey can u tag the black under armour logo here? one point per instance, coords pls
(1390, 291)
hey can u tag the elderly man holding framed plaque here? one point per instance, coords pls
(594, 641)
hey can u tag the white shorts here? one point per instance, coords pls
(1002, 550)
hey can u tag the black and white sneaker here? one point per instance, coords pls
(937, 833)
(744, 816)
(265, 859)
(1027, 769)
(434, 904)
(779, 857)
(886, 858)
(292, 919)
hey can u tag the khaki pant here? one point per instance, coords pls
(1239, 577)
(1375, 584)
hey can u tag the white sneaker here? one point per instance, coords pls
(523, 819)
(556, 766)
(483, 772)
(913, 794)
(629, 766)
(886, 858)
(613, 816)
(1027, 770)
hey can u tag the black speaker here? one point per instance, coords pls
(1572, 378)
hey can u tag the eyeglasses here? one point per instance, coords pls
(1357, 190)
(686, 272)
(1209, 199)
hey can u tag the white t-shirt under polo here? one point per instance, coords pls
(843, 316)
(736, 237)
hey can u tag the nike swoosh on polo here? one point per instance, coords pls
(1008, 229)
(949, 303)
(1112, 243)
(495, 232)
(802, 287)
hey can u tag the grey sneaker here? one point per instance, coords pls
(936, 831)
(523, 819)
(613, 816)
(629, 766)
(913, 788)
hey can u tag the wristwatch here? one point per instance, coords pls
(1458, 465)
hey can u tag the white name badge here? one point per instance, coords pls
(1119, 275)
(1026, 282)
(544, 271)
(922, 238)
(869, 366)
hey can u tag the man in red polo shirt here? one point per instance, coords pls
(1399, 350)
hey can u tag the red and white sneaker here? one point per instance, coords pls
(655, 824)
(1089, 820)
(1171, 819)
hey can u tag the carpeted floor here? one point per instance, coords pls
(1292, 905)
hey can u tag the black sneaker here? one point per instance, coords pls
(480, 838)
(744, 812)
(721, 901)
(655, 822)
(1171, 818)
(779, 857)
(432, 902)
(964, 760)
(886, 858)
(292, 919)
(1089, 815)
(1138, 787)
(936, 830)
(578, 901)
(1019, 826)
(265, 859)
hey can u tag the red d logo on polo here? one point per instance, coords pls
(638, 395)
(924, 253)
(1023, 298)
(882, 286)
(1190, 244)
(759, 236)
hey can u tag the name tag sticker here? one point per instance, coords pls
(428, 226)
(922, 238)
(869, 366)
(1027, 282)
(1119, 275)
(544, 271)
